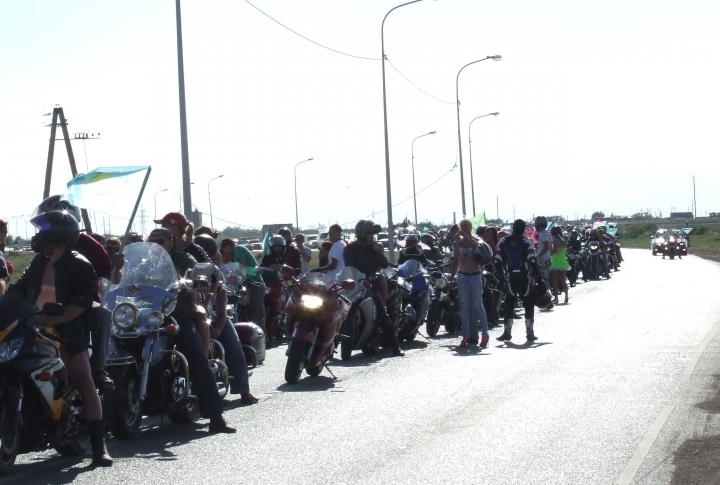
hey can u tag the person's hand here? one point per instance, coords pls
(118, 261)
(378, 246)
(457, 237)
(232, 279)
(221, 298)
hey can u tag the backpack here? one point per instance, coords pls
(513, 249)
(483, 253)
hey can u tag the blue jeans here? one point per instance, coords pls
(470, 290)
(234, 359)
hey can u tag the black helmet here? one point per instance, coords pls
(480, 231)
(411, 240)
(285, 233)
(428, 239)
(542, 297)
(55, 228)
(208, 243)
(363, 227)
(57, 203)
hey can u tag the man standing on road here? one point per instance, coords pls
(336, 262)
(305, 253)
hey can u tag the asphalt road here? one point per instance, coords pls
(620, 388)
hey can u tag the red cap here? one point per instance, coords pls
(173, 219)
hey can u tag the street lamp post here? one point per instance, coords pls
(412, 152)
(180, 193)
(391, 233)
(297, 224)
(155, 199)
(472, 182)
(210, 201)
(457, 102)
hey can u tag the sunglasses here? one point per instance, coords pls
(159, 241)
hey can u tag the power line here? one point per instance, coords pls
(236, 224)
(310, 40)
(414, 85)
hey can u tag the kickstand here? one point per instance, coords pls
(331, 372)
(423, 336)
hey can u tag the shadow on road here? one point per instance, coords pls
(526, 345)
(310, 384)
(697, 460)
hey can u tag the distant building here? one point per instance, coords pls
(715, 214)
(681, 215)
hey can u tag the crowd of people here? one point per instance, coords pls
(71, 268)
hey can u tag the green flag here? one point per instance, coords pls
(479, 220)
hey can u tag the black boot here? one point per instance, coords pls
(507, 334)
(529, 330)
(218, 425)
(96, 428)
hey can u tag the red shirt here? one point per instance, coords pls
(98, 257)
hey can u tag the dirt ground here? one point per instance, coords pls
(712, 254)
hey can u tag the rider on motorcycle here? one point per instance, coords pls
(57, 274)
(433, 254)
(188, 339)
(292, 256)
(412, 251)
(368, 256)
(99, 320)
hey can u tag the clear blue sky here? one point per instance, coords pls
(609, 106)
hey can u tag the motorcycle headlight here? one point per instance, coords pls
(9, 350)
(125, 316)
(311, 302)
(441, 283)
(593, 247)
(672, 239)
(155, 319)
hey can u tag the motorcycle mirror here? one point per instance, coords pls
(347, 284)
(287, 270)
(53, 309)
(204, 269)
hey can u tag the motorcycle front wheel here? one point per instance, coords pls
(121, 405)
(432, 324)
(10, 433)
(295, 362)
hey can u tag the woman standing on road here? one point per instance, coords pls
(470, 285)
(559, 264)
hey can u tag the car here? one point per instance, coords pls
(312, 241)
(322, 236)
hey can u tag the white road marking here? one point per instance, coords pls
(696, 356)
(628, 473)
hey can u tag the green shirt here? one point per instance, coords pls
(246, 258)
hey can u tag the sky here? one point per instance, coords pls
(610, 106)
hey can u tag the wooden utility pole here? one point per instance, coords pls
(694, 199)
(58, 112)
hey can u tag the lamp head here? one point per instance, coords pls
(432, 133)
(496, 113)
(496, 58)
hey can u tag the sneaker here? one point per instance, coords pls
(484, 341)
(531, 336)
(464, 342)
(505, 336)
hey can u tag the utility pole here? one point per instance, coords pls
(142, 219)
(497, 207)
(63, 124)
(694, 199)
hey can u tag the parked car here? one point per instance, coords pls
(311, 241)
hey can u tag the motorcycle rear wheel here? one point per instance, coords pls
(346, 342)
(295, 362)
(10, 434)
(77, 444)
(122, 406)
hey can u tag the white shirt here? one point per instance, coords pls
(336, 252)
(543, 237)
(304, 250)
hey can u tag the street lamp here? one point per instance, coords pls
(187, 210)
(155, 199)
(457, 101)
(297, 224)
(210, 202)
(412, 152)
(180, 194)
(472, 183)
(391, 233)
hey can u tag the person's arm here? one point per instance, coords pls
(304, 255)
(380, 258)
(455, 262)
(348, 257)
(220, 313)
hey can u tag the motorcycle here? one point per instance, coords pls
(593, 261)
(671, 246)
(38, 405)
(417, 302)
(315, 311)
(276, 296)
(575, 266)
(361, 330)
(151, 378)
(444, 307)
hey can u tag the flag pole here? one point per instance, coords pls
(124, 240)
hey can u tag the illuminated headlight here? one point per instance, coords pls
(441, 283)
(672, 239)
(311, 302)
(9, 350)
(155, 319)
(125, 316)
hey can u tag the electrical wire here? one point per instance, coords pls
(310, 40)
(414, 85)
(236, 224)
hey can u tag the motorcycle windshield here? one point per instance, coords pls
(148, 264)
(317, 279)
(410, 268)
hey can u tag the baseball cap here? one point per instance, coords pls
(173, 219)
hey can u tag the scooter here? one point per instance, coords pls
(315, 312)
